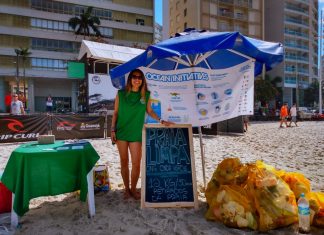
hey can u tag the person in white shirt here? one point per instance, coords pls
(293, 115)
(49, 104)
(16, 107)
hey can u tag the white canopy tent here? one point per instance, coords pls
(101, 58)
(102, 52)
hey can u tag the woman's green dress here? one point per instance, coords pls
(131, 114)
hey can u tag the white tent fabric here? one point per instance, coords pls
(107, 52)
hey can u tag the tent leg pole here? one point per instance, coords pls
(202, 155)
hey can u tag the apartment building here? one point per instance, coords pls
(42, 26)
(157, 33)
(295, 24)
(245, 16)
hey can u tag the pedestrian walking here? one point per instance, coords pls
(293, 115)
(283, 115)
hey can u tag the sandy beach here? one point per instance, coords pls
(299, 149)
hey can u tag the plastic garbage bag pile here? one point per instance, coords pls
(258, 196)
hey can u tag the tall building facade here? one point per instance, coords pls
(245, 16)
(157, 33)
(42, 26)
(295, 24)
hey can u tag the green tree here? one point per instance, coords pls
(24, 53)
(311, 94)
(17, 51)
(82, 24)
(266, 90)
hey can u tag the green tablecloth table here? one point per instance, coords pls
(35, 170)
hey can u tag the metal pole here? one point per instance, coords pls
(297, 81)
(320, 68)
(202, 155)
(17, 72)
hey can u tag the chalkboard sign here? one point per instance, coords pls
(168, 167)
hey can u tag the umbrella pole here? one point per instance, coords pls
(202, 155)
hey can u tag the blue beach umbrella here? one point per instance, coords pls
(196, 52)
(212, 50)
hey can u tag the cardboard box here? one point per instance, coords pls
(46, 139)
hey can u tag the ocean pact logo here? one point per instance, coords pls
(228, 91)
(65, 126)
(96, 80)
(15, 125)
(180, 77)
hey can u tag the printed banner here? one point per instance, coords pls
(21, 128)
(101, 92)
(77, 127)
(200, 96)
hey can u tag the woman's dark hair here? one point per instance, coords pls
(143, 87)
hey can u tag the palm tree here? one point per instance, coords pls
(82, 24)
(17, 51)
(24, 53)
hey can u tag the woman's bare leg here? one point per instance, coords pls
(136, 155)
(123, 154)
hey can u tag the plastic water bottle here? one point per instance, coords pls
(303, 214)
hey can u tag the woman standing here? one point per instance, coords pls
(126, 128)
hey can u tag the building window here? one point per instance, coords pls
(54, 45)
(185, 25)
(177, 5)
(68, 8)
(178, 18)
(50, 25)
(185, 12)
(139, 21)
(48, 64)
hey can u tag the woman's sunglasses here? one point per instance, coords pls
(137, 77)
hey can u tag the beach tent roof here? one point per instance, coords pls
(107, 52)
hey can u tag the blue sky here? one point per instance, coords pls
(158, 11)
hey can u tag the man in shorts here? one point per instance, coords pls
(293, 114)
(283, 115)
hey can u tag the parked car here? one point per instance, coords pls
(304, 113)
(318, 116)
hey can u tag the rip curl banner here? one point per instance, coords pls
(77, 127)
(21, 128)
(201, 96)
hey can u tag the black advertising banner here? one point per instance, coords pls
(77, 127)
(233, 125)
(168, 178)
(21, 128)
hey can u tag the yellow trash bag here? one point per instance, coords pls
(232, 207)
(230, 171)
(274, 201)
(297, 182)
(261, 164)
(316, 204)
